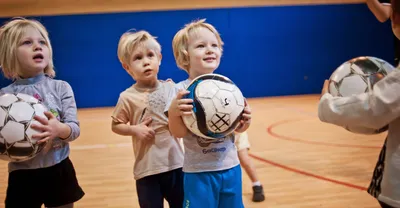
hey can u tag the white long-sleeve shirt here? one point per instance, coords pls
(375, 109)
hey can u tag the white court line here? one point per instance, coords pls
(104, 146)
(99, 146)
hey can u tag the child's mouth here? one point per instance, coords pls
(209, 59)
(38, 57)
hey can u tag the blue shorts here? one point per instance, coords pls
(217, 189)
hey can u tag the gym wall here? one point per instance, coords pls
(272, 47)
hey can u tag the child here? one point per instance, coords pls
(26, 57)
(212, 178)
(139, 113)
(243, 145)
(382, 11)
(374, 110)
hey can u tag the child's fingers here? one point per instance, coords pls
(41, 120)
(43, 140)
(181, 93)
(40, 135)
(150, 135)
(152, 132)
(186, 113)
(325, 87)
(49, 115)
(38, 127)
(185, 107)
(147, 121)
(185, 101)
(247, 110)
(246, 116)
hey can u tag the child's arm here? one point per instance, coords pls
(122, 124)
(141, 131)
(381, 11)
(179, 107)
(122, 128)
(373, 110)
(67, 128)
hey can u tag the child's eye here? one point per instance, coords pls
(137, 58)
(150, 54)
(42, 42)
(26, 42)
(214, 45)
(200, 46)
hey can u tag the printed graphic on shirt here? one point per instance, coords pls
(207, 142)
(38, 97)
(156, 102)
(49, 102)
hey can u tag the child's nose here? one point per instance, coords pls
(37, 47)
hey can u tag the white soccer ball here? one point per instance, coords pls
(218, 106)
(357, 76)
(16, 117)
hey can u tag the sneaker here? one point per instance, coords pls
(258, 194)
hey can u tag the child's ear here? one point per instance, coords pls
(160, 58)
(125, 66)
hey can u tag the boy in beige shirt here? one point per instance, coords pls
(139, 113)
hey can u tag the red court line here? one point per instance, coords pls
(307, 173)
(279, 136)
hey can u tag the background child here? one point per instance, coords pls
(382, 11)
(26, 57)
(243, 145)
(382, 184)
(211, 179)
(139, 113)
(374, 110)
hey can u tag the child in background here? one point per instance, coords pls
(376, 109)
(243, 146)
(213, 175)
(139, 113)
(26, 57)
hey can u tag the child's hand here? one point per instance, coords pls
(325, 87)
(181, 106)
(49, 128)
(143, 130)
(246, 118)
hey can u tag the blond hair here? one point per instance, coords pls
(181, 39)
(130, 40)
(10, 36)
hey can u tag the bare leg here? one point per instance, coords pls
(247, 164)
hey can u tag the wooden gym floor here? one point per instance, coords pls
(301, 162)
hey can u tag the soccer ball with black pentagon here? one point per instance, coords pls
(357, 76)
(218, 106)
(16, 117)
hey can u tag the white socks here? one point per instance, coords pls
(257, 183)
